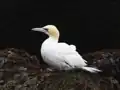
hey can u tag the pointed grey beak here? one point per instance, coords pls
(40, 30)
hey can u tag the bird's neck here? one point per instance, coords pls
(51, 40)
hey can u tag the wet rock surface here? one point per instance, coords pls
(21, 71)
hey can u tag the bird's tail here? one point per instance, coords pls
(91, 69)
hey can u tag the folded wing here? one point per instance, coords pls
(69, 54)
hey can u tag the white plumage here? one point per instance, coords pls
(61, 56)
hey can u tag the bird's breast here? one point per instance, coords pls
(47, 49)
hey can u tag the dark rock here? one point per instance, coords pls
(22, 71)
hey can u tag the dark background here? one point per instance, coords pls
(90, 25)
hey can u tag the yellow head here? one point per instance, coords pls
(50, 30)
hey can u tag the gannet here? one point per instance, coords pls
(60, 55)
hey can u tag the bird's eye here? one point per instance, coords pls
(45, 29)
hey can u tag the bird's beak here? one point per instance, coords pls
(40, 30)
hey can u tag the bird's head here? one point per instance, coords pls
(50, 30)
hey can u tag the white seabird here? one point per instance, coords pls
(61, 56)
